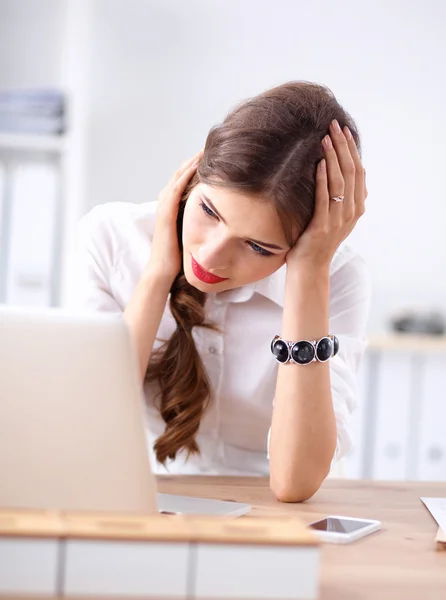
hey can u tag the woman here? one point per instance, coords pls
(245, 243)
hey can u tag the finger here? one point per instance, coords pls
(360, 186)
(347, 165)
(334, 174)
(191, 160)
(322, 196)
(181, 183)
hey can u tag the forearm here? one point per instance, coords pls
(303, 429)
(144, 312)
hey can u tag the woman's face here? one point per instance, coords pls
(232, 236)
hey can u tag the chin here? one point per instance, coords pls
(196, 283)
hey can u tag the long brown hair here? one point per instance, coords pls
(268, 146)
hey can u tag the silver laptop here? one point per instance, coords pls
(72, 418)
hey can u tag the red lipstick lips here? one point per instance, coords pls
(203, 275)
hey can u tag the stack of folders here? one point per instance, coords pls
(32, 112)
(47, 554)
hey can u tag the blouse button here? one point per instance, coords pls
(212, 349)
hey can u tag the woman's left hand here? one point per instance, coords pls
(340, 174)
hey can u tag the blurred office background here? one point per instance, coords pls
(101, 100)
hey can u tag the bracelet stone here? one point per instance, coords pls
(304, 352)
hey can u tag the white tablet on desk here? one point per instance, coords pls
(72, 434)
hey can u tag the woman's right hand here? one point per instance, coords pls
(165, 256)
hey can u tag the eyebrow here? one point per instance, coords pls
(274, 246)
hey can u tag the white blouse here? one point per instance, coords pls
(112, 248)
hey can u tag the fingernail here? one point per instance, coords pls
(348, 133)
(327, 142)
(335, 125)
(322, 166)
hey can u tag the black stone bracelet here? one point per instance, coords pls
(304, 352)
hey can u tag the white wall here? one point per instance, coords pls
(30, 41)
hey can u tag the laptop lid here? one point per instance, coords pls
(72, 431)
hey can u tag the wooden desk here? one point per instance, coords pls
(398, 562)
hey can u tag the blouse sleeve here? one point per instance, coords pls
(349, 311)
(91, 264)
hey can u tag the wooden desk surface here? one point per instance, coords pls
(398, 562)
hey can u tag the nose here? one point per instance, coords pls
(214, 254)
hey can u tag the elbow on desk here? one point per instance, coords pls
(286, 487)
(293, 492)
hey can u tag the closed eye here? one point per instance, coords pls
(255, 247)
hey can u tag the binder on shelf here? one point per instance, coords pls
(31, 125)
(31, 234)
(391, 444)
(431, 452)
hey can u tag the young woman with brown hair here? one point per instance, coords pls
(247, 310)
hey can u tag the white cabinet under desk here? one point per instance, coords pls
(399, 429)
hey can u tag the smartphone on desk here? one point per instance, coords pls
(343, 530)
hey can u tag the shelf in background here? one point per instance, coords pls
(407, 342)
(33, 143)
